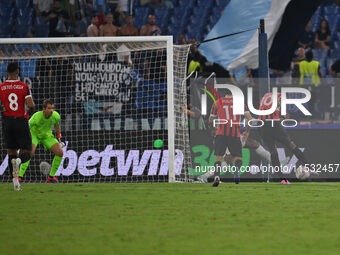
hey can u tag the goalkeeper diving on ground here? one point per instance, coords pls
(41, 124)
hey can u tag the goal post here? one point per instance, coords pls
(116, 97)
(171, 117)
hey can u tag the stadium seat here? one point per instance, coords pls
(162, 17)
(6, 31)
(173, 30)
(332, 21)
(162, 12)
(174, 2)
(180, 13)
(186, 4)
(6, 12)
(331, 10)
(142, 11)
(319, 11)
(316, 19)
(335, 53)
(5, 4)
(41, 30)
(205, 3)
(197, 21)
(24, 16)
(214, 17)
(21, 4)
(222, 3)
(329, 62)
(21, 31)
(320, 55)
(179, 22)
(4, 21)
(141, 16)
(39, 20)
(208, 28)
(195, 32)
(201, 12)
(136, 3)
(25, 20)
(323, 70)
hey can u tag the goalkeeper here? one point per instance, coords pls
(40, 126)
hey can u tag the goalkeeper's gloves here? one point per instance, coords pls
(61, 140)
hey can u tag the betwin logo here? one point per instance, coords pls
(238, 100)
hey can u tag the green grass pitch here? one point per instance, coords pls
(162, 218)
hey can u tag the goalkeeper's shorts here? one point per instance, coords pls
(47, 142)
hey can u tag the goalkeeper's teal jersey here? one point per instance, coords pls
(42, 127)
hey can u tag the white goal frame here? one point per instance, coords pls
(170, 82)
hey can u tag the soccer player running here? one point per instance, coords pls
(41, 130)
(228, 134)
(14, 95)
(272, 132)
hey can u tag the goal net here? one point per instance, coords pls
(121, 101)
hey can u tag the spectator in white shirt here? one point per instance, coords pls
(42, 7)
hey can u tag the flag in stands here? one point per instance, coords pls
(284, 24)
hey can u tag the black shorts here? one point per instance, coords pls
(16, 133)
(271, 135)
(223, 142)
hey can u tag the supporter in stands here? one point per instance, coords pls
(108, 29)
(93, 30)
(124, 6)
(90, 7)
(241, 76)
(27, 65)
(334, 70)
(181, 39)
(128, 29)
(99, 7)
(323, 36)
(65, 5)
(307, 39)
(150, 28)
(79, 16)
(118, 16)
(296, 63)
(42, 7)
(28, 49)
(194, 64)
(310, 70)
(59, 20)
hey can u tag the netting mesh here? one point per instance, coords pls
(112, 98)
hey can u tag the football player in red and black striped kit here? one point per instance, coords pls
(273, 132)
(15, 96)
(228, 133)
